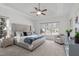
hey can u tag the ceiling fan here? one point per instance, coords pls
(39, 11)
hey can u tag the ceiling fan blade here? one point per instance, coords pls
(36, 8)
(43, 13)
(44, 10)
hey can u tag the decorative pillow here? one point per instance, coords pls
(58, 36)
(25, 33)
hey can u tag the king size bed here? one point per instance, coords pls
(23, 38)
(30, 42)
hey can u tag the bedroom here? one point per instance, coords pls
(24, 26)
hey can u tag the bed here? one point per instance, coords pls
(24, 37)
(30, 42)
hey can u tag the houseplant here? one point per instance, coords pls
(77, 37)
(68, 32)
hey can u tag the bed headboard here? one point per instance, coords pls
(21, 28)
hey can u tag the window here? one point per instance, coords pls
(50, 28)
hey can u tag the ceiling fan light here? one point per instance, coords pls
(38, 12)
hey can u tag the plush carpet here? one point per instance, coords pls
(49, 48)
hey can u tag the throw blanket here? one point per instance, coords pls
(30, 39)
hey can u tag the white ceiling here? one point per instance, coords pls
(54, 9)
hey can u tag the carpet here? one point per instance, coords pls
(49, 48)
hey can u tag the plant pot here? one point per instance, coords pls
(77, 40)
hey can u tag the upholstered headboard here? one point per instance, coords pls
(21, 28)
